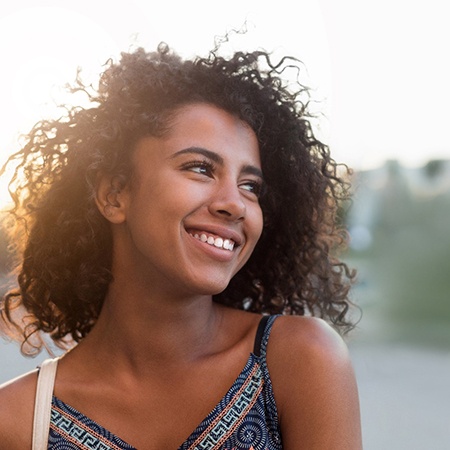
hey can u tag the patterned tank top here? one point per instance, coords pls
(245, 418)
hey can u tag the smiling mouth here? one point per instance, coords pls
(215, 241)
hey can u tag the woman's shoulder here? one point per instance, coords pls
(306, 337)
(306, 346)
(313, 384)
(16, 411)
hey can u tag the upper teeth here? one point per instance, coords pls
(218, 242)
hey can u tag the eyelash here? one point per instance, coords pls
(209, 168)
(256, 187)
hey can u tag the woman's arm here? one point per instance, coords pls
(16, 412)
(314, 386)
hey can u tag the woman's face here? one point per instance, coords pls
(191, 214)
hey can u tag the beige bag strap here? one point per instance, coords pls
(43, 403)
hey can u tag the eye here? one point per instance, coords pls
(253, 186)
(202, 167)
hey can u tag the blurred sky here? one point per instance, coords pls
(379, 69)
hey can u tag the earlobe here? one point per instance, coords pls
(110, 196)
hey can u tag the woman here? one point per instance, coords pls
(162, 224)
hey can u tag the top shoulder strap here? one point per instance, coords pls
(43, 403)
(262, 335)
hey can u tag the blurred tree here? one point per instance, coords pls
(409, 259)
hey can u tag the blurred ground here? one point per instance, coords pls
(404, 394)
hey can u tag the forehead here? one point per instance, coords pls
(206, 126)
(205, 120)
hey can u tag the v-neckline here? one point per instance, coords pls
(60, 407)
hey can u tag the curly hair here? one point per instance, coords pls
(65, 243)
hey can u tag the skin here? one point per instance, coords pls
(160, 339)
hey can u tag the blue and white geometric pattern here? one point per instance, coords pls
(70, 430)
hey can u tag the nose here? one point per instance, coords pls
(228, 203)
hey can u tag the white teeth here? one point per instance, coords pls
(228, 245)
(218, 242)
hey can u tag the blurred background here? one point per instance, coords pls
(379, 74)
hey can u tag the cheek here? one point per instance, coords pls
(256, 224)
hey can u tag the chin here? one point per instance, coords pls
(212, 287)
(207, 282)
(214, 290)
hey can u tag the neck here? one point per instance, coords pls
(136, 328)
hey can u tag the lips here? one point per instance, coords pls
(220, 237)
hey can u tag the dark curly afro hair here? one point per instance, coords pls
(63, 244)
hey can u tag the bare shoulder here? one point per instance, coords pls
(307, 337)
(16, 411)
(306, 349)
(314, 385)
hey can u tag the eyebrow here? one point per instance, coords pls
(247, 169)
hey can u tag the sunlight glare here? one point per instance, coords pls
(44, 45)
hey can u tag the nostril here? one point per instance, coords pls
(229, 208)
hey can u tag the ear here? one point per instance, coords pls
(110, 197)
